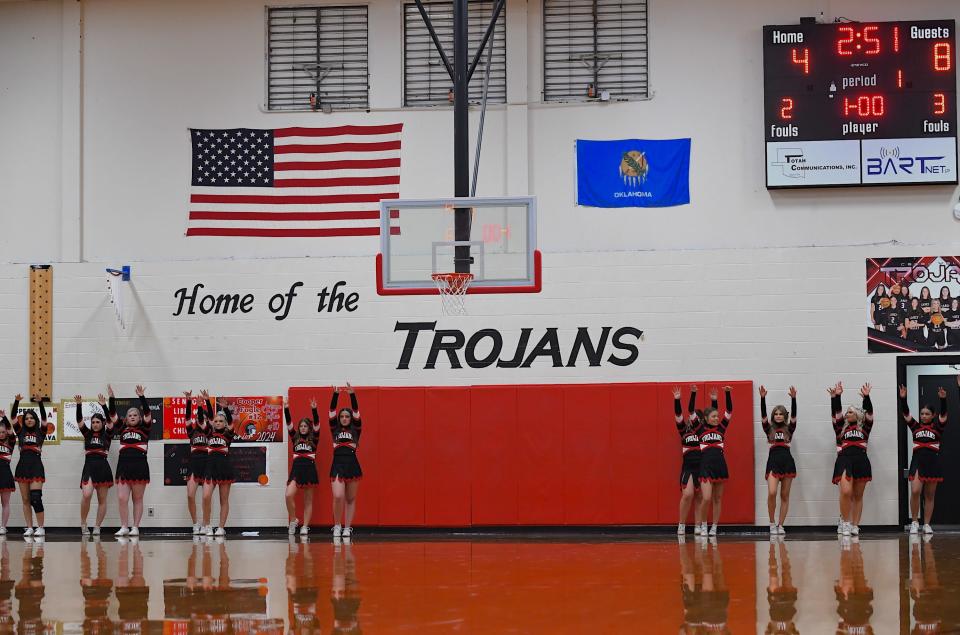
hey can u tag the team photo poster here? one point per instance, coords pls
(913, 304)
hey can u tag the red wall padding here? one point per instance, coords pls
(561, 454)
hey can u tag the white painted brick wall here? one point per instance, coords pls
(706, 332)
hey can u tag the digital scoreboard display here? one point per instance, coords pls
(860, 103)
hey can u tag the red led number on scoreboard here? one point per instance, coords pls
(939, 104)
(864, 106)
(845, 45)
(802, 61)
(786, 108)
(864, 41)
(870, 38)
(942, 56)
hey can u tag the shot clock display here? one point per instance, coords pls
(860, 103)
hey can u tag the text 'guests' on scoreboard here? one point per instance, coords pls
(860, 103)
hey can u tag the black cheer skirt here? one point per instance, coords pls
(97, 471)
(219, 469)
(197, 466)
(854, 466)
(345, 467)
(713, 466)
(780, 463)
(30, 468)
(132, 468)
(925, 465)
(7, 484)
(303, 472)
(690, 469)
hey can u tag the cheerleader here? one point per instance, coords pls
(925, 471)
(345, 472)
(852, 469)
(219, 475)
(8, 441)
(781, 468)
(197, 429)
(303, 471)
(30, 473)
(713, 465)
(690, 469)
(96, 475)
(133, 471)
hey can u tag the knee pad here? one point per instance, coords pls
(36, 500)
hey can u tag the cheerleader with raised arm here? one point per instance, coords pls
(197, 430)
(303, 470)
(133, 471)
(925, 469)
(97, 475)
(781, 468)
(8, 441)
(30, 473)
(219, 475)
(852, 469)
(713, 465)
(690, 468)
(345, 472)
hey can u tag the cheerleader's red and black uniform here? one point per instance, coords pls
(713, 464)
(30, 466)
(7, 484)
(345, 466)
(852, 461)
(780, 461)
(132, 466)
(689, 442)
(925, 464)
(219, 468)
(197, 430)
(96, 445)
(303, 470)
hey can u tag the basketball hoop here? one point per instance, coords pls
(453, 289)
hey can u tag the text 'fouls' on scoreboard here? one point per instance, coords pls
(860, 103)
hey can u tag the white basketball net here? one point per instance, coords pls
(453, 290)
(113, 292)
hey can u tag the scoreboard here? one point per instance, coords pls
(860, 103)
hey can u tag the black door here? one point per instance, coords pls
(947, 508)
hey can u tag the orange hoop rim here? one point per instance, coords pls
(448, 277)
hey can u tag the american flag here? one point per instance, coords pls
(301, 182)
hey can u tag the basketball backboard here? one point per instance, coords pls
(497, 241)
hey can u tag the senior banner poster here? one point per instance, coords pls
(175, 415)
(249, 464)
(913, 304)
(261, 418)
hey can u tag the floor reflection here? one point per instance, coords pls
(571, 584)
(706, 599)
